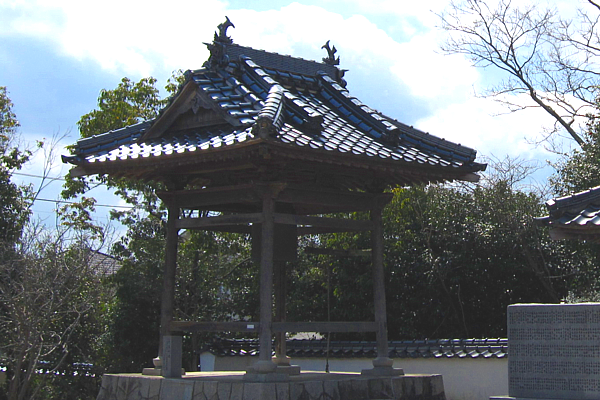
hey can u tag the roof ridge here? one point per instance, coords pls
(252, 49)
(270, 118)
(576, 199)
(280, 62)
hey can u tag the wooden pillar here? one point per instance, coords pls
(382, 364)
(168, 293)
(280, 310)
(379, 288)
(264, 363)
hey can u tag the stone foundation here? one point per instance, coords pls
(307, 386)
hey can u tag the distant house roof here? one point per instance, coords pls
(440, 348)
(575, 216)
(252, 112)
(103, 263)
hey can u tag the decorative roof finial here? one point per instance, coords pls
(331, 59)
(222, 36)
(218, 56)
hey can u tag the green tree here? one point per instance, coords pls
(580, 169)
(127, 104)
(48, 288)
(210, 266)
(14, 201)
(455, 257)
(577, 171)
(132, 315)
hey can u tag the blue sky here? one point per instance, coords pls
(56, 56)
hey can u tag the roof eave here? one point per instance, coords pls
(384, 166)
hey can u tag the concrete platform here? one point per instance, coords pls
(229, 385)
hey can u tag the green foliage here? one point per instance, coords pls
(580, 170)
(133, 315)
(128, 104)
(48, 289)
(215, 281)
(455, 258)
(50, 292)
(14, 199)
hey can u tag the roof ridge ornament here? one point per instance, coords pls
(222, 36)
(218, 56)
(334, 61)
(331, 58)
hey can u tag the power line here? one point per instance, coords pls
(39, 176)
(74, 202)
(51, 178)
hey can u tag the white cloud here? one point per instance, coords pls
(485, 125)
(411, 16)
(430, 74)
(144, 38)
(135, 37)
(127, 36)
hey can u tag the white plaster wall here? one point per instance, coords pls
(464, 379)
(207, 361)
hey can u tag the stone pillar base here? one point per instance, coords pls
(266, 378)
(157, 371)
(152, 371)
(288, 369)
(383, 371)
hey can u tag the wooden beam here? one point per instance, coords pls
(338, 252)
(241, 223)
(354, 326)
(315, 201)
(244, 229)
(313, 230)
(235, 326)
(356, 201)
(340, 224)
(559, 233)
(205, 199)
(219, 221)
(247, 326)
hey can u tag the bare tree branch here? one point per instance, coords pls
(553, 61)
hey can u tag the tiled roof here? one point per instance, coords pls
(441, 348)
(574, 217)
(259, 96)
(103, 263)
(281, 62)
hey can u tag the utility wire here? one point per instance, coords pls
(39, 176)
(50, 178)
(74, 202)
